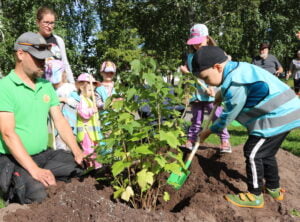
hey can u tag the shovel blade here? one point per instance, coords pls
(176, 180)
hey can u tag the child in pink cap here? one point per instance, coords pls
(203, 99)
(88, 125)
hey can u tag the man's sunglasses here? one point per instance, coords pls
(40, 47)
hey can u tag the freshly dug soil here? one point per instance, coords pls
(200, 199)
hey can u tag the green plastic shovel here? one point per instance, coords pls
(176, 180)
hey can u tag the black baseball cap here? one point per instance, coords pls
(206, 57)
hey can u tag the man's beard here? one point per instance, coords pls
(263, 55)
(37, 74)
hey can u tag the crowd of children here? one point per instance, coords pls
(81, 103)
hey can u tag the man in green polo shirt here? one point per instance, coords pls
(25, 102)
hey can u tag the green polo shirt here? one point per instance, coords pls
(30, 108)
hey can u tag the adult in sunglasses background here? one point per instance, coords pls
(27, 165)
(45, 20)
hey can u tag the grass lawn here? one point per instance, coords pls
(239, 136)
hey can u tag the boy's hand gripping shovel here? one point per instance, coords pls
(176, 180)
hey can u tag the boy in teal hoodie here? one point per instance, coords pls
(266, 106)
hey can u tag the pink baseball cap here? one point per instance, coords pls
(108, 66)
(198, 34)
(85, 77)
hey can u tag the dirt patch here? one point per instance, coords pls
(200, 199)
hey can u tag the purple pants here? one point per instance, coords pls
(198, 109)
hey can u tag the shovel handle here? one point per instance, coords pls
(197, 144)
(202, 84)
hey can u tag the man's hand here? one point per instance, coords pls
(83, 160)
(184, 69)
(204, 134)
(44, 176)
(80, 158)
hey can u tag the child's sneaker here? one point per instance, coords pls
(246, 200)
(277, 194)
(225, 147)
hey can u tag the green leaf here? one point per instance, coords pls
(127, 194)
(144, 179)
(170, 138)
(136, 66)
(143, 149)
(124, 116)
(138, 136)
(117, 105)
(118, 192)
(118, 167)
(128, 127)
(150, 78)
(130, 93)
(152, 63)
(160, 160)
(168, 124)
(173, 167)
(166, 196)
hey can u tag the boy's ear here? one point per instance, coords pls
(219, 67)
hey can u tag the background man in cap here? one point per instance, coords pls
(27, 166)
(267, 61)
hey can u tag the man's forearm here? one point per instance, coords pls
(280, 70)
(18, 151)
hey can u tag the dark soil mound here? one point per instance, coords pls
(200, 199)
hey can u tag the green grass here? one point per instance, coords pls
(238, 136)
(295, 213)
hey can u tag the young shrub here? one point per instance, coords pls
(145, 146)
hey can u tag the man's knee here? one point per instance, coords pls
(63, 165)
(35, 192)
(25, 188)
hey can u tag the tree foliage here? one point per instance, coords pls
(120, 30)
(75, 24)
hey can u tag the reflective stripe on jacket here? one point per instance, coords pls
(278, 112)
